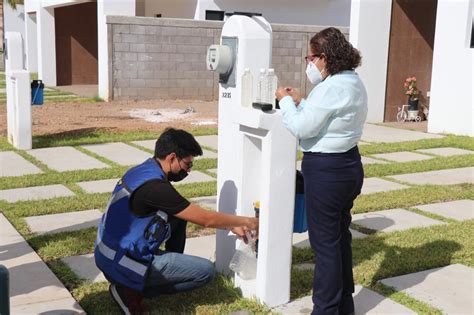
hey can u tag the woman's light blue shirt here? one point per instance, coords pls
(331, 119)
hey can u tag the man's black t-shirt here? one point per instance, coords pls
(157, 194)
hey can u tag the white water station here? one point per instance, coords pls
(256, 160)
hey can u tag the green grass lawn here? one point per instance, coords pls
(378, 256)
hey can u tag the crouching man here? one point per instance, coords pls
(144, 212)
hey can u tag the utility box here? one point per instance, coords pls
(256, 161)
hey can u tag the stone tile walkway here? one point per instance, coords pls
(119, 153)
(33, 286)
(374, 185)
(13, 164)
(374, 133)
(460, 210)
(84, 266)
(392, 220)
(366, 302)
(66, 159)
(208, 141)
(99, 186)
(206, 202)
(150, 145)
(35, 193)
(367, 160)
(446, 151)
(301, 240)
(442, 177)
(60, 222)
(402, 156)
(448, 288)
(196, 177)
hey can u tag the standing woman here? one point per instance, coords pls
(328, 125)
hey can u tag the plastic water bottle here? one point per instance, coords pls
(272, 85)
(244, 262)
(262, 87)
(247, 88)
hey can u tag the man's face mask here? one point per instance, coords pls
(182, 174)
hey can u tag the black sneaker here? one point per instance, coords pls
(129, 301)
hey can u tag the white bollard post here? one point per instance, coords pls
(18, 93)
(21, 136)
(256, 161)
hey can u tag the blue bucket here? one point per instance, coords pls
(37, 88)
(300, 221)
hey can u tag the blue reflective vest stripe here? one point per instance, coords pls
(126, 244)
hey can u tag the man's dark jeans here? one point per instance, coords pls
(172, 271)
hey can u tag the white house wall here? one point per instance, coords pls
(451, 104)
(183, 9)
(370, 33)
(306, 12)
(31, 39)
(104, 8)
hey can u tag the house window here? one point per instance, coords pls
(214, 15)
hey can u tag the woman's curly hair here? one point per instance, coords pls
(339, 53)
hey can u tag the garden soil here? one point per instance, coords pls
(149, 115)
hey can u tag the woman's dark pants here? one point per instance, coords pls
(332, 182)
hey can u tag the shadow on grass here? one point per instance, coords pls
(52, 139)
(216, 298)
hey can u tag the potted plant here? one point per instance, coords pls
(411, 90)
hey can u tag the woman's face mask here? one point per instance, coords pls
(313, 73)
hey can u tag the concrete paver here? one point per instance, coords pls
(367, 160)
(213, 170)
(366, 302)
(119, 153)
(208, 202)
(301, 240)
(12, 164)
(403, 156)
(196, 177)
(99, 186)
(84, 266)
(374, 185)
(458, 210)
(448, 151)
(35, 193)
(32, 284)
(66, 159)
(374, 133)
(447, 288)
(150, 145)
(208, 141)
(392, 220)
(442, 177)
(60, 222)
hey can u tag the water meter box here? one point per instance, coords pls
(300, 221)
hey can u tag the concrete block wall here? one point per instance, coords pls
(165, 58)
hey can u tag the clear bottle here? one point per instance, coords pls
(272, 85)
(262, 86)
(247, 88)
(244, 261)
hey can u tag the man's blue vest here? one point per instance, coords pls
(125, 243)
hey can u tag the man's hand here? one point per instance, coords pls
(252, 226)
(239, 231)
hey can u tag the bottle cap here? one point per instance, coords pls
(271, 70)
(257, 204)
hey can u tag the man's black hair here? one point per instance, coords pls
(178, 141)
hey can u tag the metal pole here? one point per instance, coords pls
(4, 291)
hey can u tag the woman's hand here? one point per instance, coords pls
(295, 95)
(280, 93)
